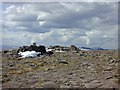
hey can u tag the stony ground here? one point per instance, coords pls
(83, 69)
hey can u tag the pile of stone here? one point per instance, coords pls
(33, 47)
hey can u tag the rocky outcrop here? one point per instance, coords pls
(73, 48)
(60, 48)
(63, 48)
(33, 47)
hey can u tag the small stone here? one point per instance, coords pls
(70, 73)
(109, 77)
(111, 61)
(108, 69)
(63, 62)
(76, 87)
(64, 86)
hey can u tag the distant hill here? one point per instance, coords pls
(87, 48)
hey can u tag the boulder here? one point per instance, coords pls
(73, 48)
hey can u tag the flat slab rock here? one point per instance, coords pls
(49, 85)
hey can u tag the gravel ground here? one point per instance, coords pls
(83, 69)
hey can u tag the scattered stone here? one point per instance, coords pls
(31, 71)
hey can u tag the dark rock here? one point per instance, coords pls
(49, 53)
(63, 61)
(5, 51)
(81, 54)
(109, 77)
(73, 48)
(33, 47)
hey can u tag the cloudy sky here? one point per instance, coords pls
(90, 24)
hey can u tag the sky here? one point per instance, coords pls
(89, 24)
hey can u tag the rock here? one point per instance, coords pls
(93, 84)
(49, 85)
(49, 53)
(70, 73)
(110, 58)
(76, 87)
(64, 86)
(5, 51)
(33, 47)
(85, 64)
(63, 61)
(81, 54)
(108, 69)
(109, 77)
(48, 69)
(73, 48)
(108, 86)
(116, 60)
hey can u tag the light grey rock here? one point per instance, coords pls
(62, 61)
(64, 86)
(93, 84)
(49, 85)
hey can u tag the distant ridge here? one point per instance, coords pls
(96, 48)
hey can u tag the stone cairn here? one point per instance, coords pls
(33, 47)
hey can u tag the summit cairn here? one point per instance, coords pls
(33, 47)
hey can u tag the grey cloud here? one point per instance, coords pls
(49, 21)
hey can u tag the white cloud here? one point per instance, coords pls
(83, 24)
